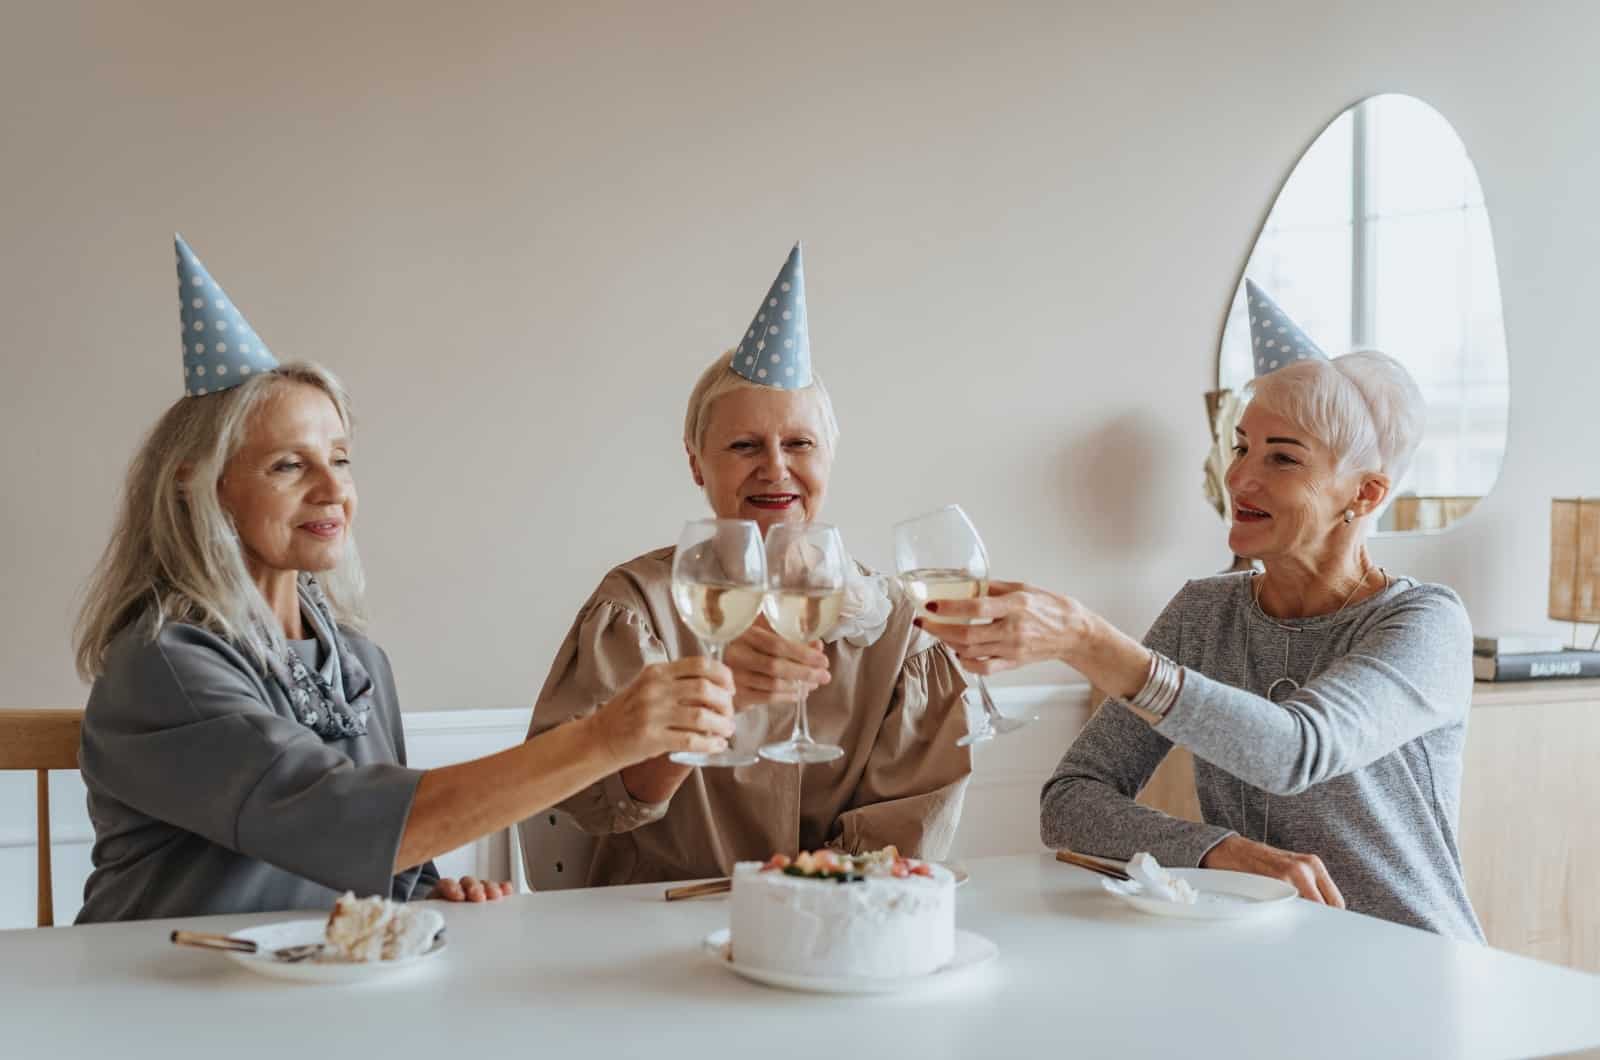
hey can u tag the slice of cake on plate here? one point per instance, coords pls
(376, 929)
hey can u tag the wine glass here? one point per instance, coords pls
(719, 577)
(805, 594)
(939, 556)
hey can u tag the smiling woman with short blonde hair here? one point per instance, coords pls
(760, 438)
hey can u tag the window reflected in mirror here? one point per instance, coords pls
(1380, 240)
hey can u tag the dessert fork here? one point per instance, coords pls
(203, 941)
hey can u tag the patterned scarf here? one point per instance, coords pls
(333, 700)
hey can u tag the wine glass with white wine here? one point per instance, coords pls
(939, 556)
(719, 577)
(806, 566)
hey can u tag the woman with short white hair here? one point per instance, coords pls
(760, 437)
(1325, 700)
(242, 744)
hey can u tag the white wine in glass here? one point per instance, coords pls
(939, 556)
(719, 578)
(804, 615)
(932, 584)
(806, 570)
(716, 613)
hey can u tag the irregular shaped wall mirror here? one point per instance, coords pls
(1380, 240)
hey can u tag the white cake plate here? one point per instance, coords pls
(1224, 895)
(269, 937)
(972, 951)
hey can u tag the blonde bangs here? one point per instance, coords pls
(718, 379)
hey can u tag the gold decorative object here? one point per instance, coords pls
(1575, 559)
(1223, 409)
(1411, 512)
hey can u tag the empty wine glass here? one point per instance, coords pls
(719, 577)
(806, 566)
(939, 556)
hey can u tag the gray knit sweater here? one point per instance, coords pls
(1361, 766)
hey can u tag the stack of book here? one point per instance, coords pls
(1530, 657)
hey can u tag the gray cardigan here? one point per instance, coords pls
(208, 796)
(1361, 766)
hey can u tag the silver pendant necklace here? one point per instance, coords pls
(1286, 686)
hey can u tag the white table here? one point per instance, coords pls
(612, 973)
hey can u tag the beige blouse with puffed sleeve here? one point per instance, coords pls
(895, 704)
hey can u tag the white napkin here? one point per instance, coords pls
(1153, 881)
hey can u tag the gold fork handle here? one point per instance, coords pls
(699, 890)
(1104, 867)
(202, 941)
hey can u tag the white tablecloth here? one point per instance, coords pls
(617, 972)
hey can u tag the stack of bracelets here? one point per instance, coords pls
(1161, 686)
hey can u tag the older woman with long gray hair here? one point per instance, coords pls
(1325, 699)
(242, 744)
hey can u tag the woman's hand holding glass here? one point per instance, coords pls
(719, 579)
(766, 667)
(1014, 625)
(806, 572)
(670, 708)
(941, 560)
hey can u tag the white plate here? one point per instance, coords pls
(1223, 895)
(271, 937)
(972, 951)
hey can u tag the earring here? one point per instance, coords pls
(1349, 515)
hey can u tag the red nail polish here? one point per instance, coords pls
(933, 607)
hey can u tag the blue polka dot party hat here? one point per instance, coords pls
(220, 348)
(1275, 340)
(776, 349)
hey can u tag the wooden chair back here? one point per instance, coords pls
(41, 740)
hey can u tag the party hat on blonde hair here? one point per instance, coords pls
(776, 348)
(1275, 340)
(220, 348)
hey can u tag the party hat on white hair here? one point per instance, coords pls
(1275, 340)
(776, 348)
(220, 348)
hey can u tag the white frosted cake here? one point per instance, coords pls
(829, 915)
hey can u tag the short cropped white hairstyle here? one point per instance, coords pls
(718, 379)
(1364, 406)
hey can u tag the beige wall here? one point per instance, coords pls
(518, 234)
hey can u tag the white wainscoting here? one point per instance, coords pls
(1001, 814)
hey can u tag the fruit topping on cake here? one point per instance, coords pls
(848, 868)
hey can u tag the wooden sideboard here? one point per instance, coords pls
(1530, 816)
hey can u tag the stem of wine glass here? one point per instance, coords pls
(714, 650)
(989, 709)
(801, 733)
